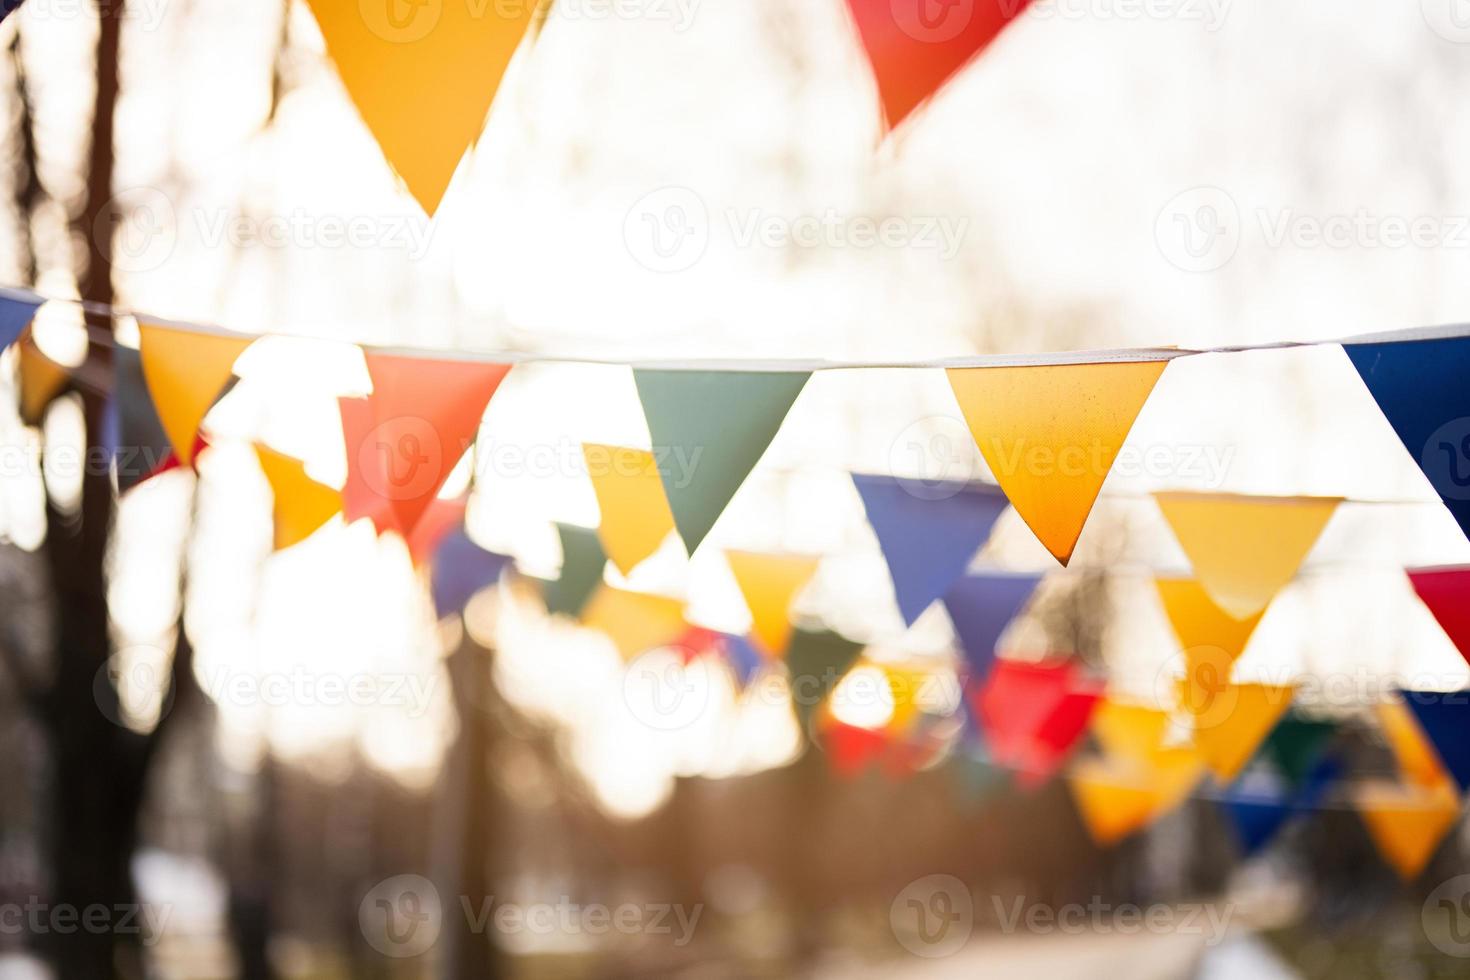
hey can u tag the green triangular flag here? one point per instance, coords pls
(1296, 745)
(816, 662)
(583, 563)
(709, 429)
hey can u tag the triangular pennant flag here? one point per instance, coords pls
(1256, 812)
(1199, 622)
(770, 583)
(1133, 733)
(41, 380)
(1417, 760)
(915, 46)
(851, 750)
(1445, 721)
(301, 504)
(709, 429)
(1050, 434)
(1245, 549)
(186, 371)
(1296, 746)
(460, 568)
(1033, 715)
(405, 438)
(815, 662)
(17, 309)
(1407, 824)
(1446, 591)
(1059, 734)
(635, 513)
(142, 448)
(582, 566)
(1420, 387)
(1244, 714)
(981, 607)
(636, 622)
(928, 532)
(423, 75)
(1116, 800)
(744, 659)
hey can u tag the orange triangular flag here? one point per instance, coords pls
(1418, 761)
(1134, 733)
(422, 74)
(636, 622)
(186, 371)
(405, 438)
(770, 584)
(1051, 433)
(1115, 799)
(630, 493)
(1407, 824)
(1199, 622)
(1229, 732)
(1245, 549)
(301, 504)
(41, 380)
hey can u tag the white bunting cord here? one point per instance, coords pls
(754, 365)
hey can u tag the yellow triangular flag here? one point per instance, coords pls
(186, 370)
(1245, 549)
(41, 379)
(770, 584)
(1199, 622)
(1418, 761)
(635, 513)
(301, 504)
(1133, 733)
(1228, 734)
(907, 686)
(1116, 800)
(636, 622)
(1407, 824)
(423, 74)
(1050, 434)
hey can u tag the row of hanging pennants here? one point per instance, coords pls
(424, 83)
(1026, 720)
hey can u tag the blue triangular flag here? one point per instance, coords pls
(17, 306)
(981, 607)
(1445, 719)
(8, 7)
(1421, 387)
(742, 656)
(142, 447)
(928, 532)
(461, 568)
(1256, 816)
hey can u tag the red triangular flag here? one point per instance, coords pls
(916, 45)
(405, 438)
(1446, 591)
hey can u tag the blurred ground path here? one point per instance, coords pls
(1086, 957)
